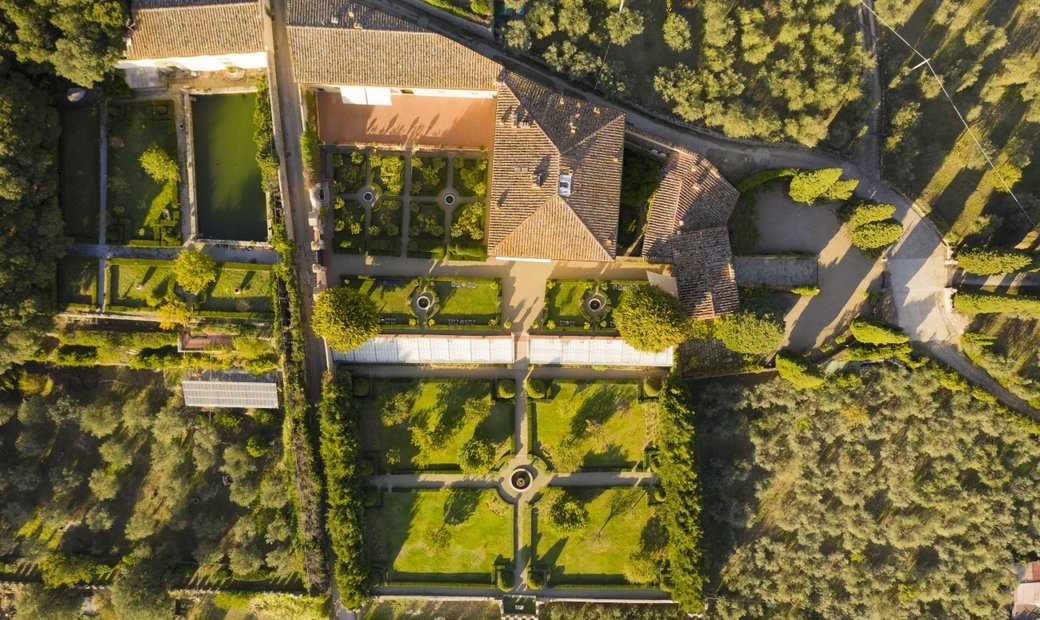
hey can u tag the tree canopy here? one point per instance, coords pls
(139, 589)
(891, 493)
(755, 330)
(194, 270)
(345, 318)
(651, 319)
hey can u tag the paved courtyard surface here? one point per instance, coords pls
(447, 122)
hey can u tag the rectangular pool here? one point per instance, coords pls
(231, 202)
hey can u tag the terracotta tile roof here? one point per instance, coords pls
(177, 29)
(703, 265)
(540, 135)
(692, 195)
(346, 43)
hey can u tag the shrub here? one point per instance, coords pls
(310, 153)
(345, 318)
(986, 261)
(257, 446)
(799, 372)
(869, 331)
(160, 165)
(476, 456)
(865, 212)
(751, 331)
(806, 291)
(1018, 306)
(651, 387)
(808, 186)
(60, 569)
(537, 389)
(676, 31)
(874, 236)
(566, 513)
(877, 353)
(504, 579)
(341, 451)
(362, 387)
(506, 388)
(651, 319)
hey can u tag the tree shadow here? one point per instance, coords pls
(460, 505)
(611, 455)
(597, 407)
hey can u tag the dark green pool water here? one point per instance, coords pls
(227, 179)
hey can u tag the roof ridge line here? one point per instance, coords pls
(586, 138)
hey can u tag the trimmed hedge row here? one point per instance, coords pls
(871, 331)
(764, 176)
(345, 519)
(987, 262)
(1018, 306)
(681, 510)
(798, 371)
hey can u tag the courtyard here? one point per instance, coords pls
(433, 303)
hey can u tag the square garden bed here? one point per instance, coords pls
(566, 309)
(470, 177)
(349, 172)
(429, 175)
(459, 303)
(440, 536)
(141, 210)
(384, 228)
(77, 283)
(348, 235)
(592, 425)
(241, 290)
(426, 230)
(137, 284)
(623, 526)
(422, 425)
(469, 232)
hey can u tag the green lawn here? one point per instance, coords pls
(621, 523)
(141, 211)
(440, 535)
(437, 410)
(592, 424)
(255, 286)
(462, 302)
(77, 282)
(564, 301)
(131, 282)
(80, 161)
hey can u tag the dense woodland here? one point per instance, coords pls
(785, 70)
(891, 493)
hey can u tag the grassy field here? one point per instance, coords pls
(621, 523)
(462, 302)
(436, 409)
(131, 283)
(134, 198)
(80, 170)
(255, 286)
(449, 535)
(593, 424)
(231, 201)
(77, 282)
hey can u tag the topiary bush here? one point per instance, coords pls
(871, 331)
(362, 387)
(750, 331)
(798, 371)
(997, 303)
(986, 261)
(872, 237)
(651, 319)
(504, 579)
(808, 186)
(506, 388)
(856, 215)
(806, 291)
(537, 389)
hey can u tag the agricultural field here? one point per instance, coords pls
(453, 535)
(80, 172)
(79, 495)
(621, 523)
(417, 425)
(142, 210)
(592, 424)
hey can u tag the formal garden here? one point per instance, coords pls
(596, 536)
(582, 305)
(596, 425)
(143, 174)
(78, 283)
(433, 303)
(80, 172)
(445, 194)
(444, 535)
(425, 425)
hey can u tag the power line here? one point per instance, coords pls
(971, 132)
